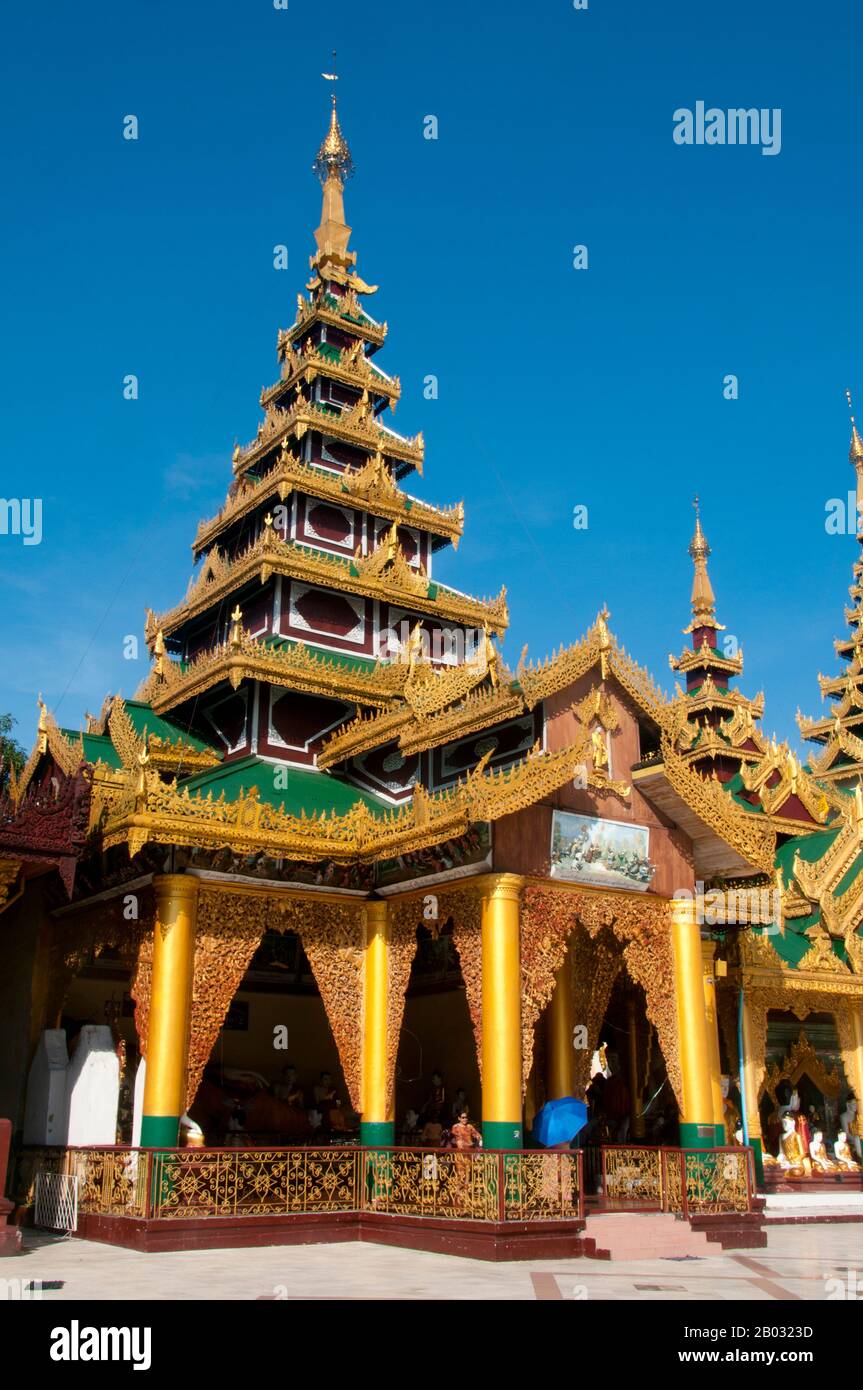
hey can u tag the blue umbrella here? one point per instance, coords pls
(559, 1121)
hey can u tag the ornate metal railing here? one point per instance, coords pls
(542, 1186)
(431, 1182)
(111, 1181)
(176, 1184)
(704, 1182)
(631, 1177)
(249, 1182)
(479, 1185)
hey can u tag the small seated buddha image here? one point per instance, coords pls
(821, 1162)
(844, 1157)
(793, 1158)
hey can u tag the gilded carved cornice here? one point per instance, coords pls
(539, 681)
(751, 835)
(351, 367)
(348, 315)
(706, 658)
(357, 425)
(145, 808)
(791, 780)
(426, 693)
(68, 755)
(293, 666)
(371, 488)
(220, 577)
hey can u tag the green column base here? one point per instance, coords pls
(502, 1134)
(160, 1131)
(377, 1134)
(758, 1155)
(695, 1136)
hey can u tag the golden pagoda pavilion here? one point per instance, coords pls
(332, 806)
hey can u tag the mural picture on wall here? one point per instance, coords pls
(607, 853)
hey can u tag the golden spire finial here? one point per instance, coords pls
(42, 726)
(702, 598)
(333, 164)
(334, 156)
(855, 454)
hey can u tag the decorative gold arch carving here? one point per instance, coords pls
(228, 932)
(76, 937)
(801, 1057)
(640, 923)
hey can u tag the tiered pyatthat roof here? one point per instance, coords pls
(840, 759)
(322, 443)
(718, 730)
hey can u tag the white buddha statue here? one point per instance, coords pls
(818, 1153)
(844, 1157)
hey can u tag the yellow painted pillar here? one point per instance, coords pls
(750, 1066)
(559, 1023)
(711, 1020)
(377, 1125)
(697, 1129)
(170, 1009)
(855, 1080)
(501, 1012)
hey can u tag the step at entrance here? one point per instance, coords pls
(632, 1235)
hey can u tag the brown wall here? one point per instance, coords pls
(522, 842)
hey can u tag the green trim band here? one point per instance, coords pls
(160, 1131)
(502, 1134)
(377, 1134)
(695, 1136)
(758, 1154)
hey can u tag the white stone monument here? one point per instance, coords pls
(93, 1088)
(45, 1107)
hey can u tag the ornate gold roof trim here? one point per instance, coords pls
(366, 488)
(67, 755)
(357, 426)
(311, 311)
(294, 666)
(220, 577)
(148, 809)
(352, 369)
(752, 838)
(425, 691)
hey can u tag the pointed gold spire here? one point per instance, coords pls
(702, 599)
(855, 454)
(333, 165)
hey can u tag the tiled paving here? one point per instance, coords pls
(798, 1262)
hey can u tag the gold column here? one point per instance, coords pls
(697, 1130)
(501, 1011)
(711, 1019)
(377, 1123)
(636, 1119)
(559, 1023)
(170, 1008)
(856, 1080)
(751, 1065)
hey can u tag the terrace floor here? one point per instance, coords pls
(798, 1263)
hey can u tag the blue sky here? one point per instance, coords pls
(558, 387)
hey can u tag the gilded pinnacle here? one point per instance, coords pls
(702, 598)
(334, 156)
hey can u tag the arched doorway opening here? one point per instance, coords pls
(436, 1063)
